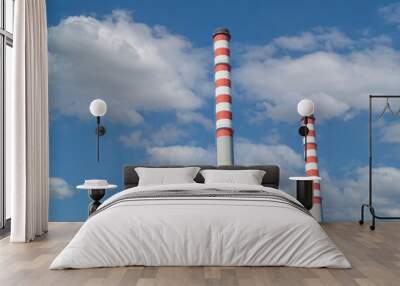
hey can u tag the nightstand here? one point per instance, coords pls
(96, 190)
(304, 190)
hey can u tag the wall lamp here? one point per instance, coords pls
(306, 109)
(98, 108)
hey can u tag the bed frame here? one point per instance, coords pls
(270, 179)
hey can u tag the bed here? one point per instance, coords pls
(198, 224)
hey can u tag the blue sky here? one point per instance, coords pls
(259, 22)
(152, 62)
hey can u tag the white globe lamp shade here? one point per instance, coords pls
(305, 107)
(98, 107)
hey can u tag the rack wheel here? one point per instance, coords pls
(361, 222)
(372, 227)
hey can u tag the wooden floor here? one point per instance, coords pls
(375, 257)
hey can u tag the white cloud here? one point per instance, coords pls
(391, 133)
(132, 66)
(167, 134)
(181, 155)
(161, 136)
(133, 139)
(273, 137)
(391, 13)
(288, 160)
(248, 153)
(318, 39)
(189, 117)
(342, 198)
(59, 188)
(338, 82)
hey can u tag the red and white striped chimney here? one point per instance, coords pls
(311, 165)
(223, 99)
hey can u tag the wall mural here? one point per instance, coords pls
(155, 70)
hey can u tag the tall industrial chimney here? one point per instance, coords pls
(311, 166)
(223, 100)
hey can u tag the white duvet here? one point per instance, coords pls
(200, 231)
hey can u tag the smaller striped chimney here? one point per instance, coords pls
(223, 99)
(311, 166)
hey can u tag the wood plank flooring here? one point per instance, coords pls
(375, 257)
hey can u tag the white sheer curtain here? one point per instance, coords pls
(27, 124)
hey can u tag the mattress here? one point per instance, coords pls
(201, 225)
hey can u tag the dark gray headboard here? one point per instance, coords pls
(271, 177)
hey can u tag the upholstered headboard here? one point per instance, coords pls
(271, 177)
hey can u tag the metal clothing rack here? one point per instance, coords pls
(370, 205)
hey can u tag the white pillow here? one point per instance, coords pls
(162, 176)
(248, 177)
